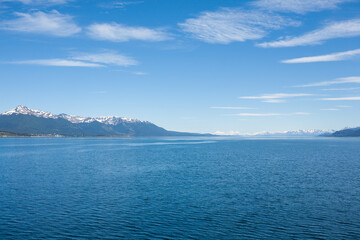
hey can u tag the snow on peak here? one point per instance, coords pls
(74, 119)
(115, 120)
(27, 111)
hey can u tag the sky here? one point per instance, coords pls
(205, 66)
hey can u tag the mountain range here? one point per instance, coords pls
(26, 121)
(347, 132)
(23, 121)
(293, 133)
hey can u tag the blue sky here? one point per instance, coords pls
(199, 66)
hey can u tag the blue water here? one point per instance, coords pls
(179, 188)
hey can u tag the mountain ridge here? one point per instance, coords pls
(74, 119)
(23, 120)
(347, 132)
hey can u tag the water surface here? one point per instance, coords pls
(179, 188)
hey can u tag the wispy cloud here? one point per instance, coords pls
(330, 109)
(234, 25)
(140, 73)
(120, 4)
(52, 23)
(298, 6)
(340, 56)
(343, 29)
(38, 2)
(270, 114)
(233, 108)
(121, 33)
(277, 97)
(340, 89)
(58, 63)
(84, 60)
(342, 99)
(274, 101)
(109, 58)
(337, 81)
(343, 106)
(258, 114)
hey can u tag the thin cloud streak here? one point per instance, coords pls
(340, 89)
(107, 58)
(342, 99)
(84, 60)
(120, 4)
(341, 56)
(258, 114)
(52, 23)
(234, 25)
(38, 2)
(276, 98)
(343, 106)
(58, 63)
(330, 109)
(274, 101)
(327, 83)
(121, 33)
(269, 114)
(296, 6)
(233, 108)
(140, 73)
(343, 29)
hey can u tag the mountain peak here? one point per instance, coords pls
(27, 111)
(21, 108)
(74, 119)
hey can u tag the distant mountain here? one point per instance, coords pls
(347, 132)
(293, 133)
(25, 121)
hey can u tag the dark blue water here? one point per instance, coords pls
(171, 188)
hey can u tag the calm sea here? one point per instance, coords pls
(179, 188)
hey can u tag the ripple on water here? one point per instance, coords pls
(166, 188)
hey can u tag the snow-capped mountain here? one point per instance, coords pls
(116, 120)
(112, 120)
(76, 119)
(23, 120)
(27, 111)
(301, 132)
